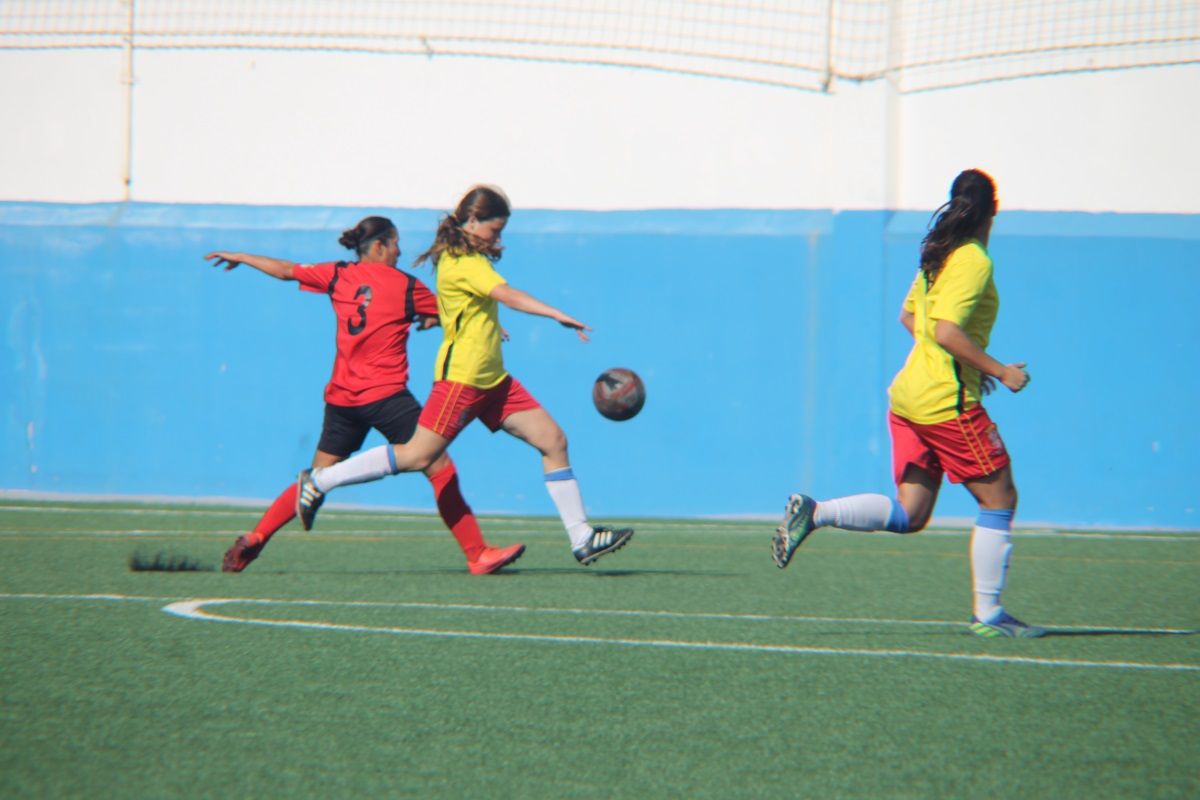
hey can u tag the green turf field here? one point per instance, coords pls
(361, 660)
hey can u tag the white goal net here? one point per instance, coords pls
(800, 44)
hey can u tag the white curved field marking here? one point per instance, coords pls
(196, 609)
(595, 612)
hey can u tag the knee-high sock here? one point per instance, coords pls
(456, 513)
(369, 465)
(564, 491)
(279, 514)
(991, 546)
(862, 512)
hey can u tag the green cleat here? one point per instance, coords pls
(1005, 626)
(797, 525)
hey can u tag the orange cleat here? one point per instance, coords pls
(238, 557)
(493, 558)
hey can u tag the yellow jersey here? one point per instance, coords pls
(470, 350)
(932, 387)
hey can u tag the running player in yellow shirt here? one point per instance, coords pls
(470, 381)
(937, 420)
(375, 305)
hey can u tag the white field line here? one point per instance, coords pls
(532, 526)
(133, 598)
(136, 532)
(209, 512)
(737, 525)
(195, 609)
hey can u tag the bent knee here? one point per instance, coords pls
(422, 463)
(555, 441)
(437, 465)
(916, 524)
(407, 459)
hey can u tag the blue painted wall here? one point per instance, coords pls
(766, 339)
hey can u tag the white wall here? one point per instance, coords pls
(1112, 141)
(64, 132)
(398, 131)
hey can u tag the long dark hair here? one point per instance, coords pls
(972, 203)
(370, 229)
(482, 203)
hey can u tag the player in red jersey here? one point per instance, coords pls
(471, 381)
(375, 305)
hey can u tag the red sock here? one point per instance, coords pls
(456, 513)
(279, 514)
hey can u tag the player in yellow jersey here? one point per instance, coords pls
(937, 420)
(470, 381)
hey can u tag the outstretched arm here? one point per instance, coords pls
(275, 267)
(518, 300)
(956, 342)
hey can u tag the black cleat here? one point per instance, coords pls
(308, 499)
(603, 540)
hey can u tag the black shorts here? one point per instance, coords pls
(346, 427)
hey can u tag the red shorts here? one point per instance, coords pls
(451, 406)
(964, 448)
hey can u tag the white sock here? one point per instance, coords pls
(369, 465)
(991, 546)
(862, 512)
(564, 491)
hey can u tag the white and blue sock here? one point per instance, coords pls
(369, 465)
(862, 512)
(991, 546)
(564, 491)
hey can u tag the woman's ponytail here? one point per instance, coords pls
(972, 203)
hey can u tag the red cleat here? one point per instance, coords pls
(238, 557)
(493, 558)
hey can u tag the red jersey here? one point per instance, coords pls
(375, 306)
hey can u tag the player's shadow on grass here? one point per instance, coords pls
(167, 561)
(1116, 632)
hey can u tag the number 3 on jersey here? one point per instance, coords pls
(355, 328)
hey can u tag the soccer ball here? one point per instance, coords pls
(619, 394)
